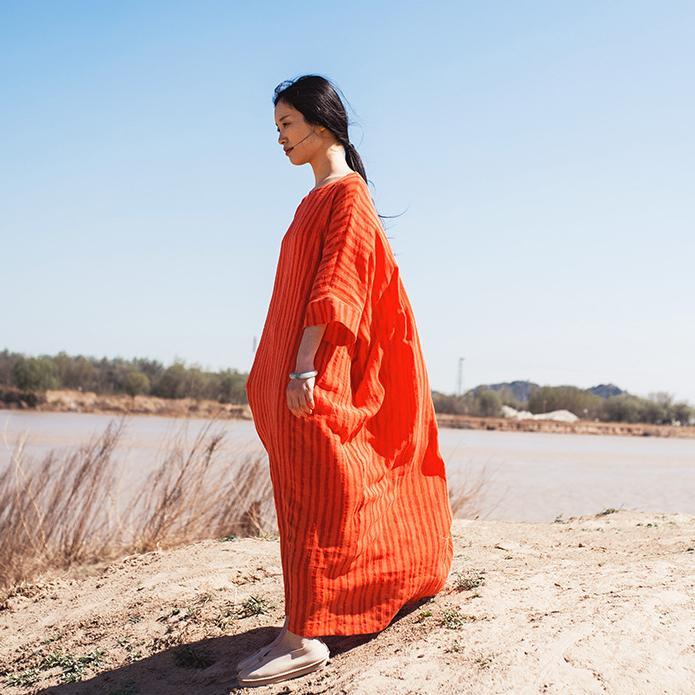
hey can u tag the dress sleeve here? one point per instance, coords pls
(341, 284)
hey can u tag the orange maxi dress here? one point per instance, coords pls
(360, 487)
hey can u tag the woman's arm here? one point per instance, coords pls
(300, 392)
(311, 338)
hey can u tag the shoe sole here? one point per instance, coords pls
(257, 655)
(301, 671)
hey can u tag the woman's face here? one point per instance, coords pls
(300, 140)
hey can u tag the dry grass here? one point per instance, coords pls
(465, 501)
(60, 511)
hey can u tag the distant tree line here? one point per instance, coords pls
(120, 376)
(659, 408)
(150, 377)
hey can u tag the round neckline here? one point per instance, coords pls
(330, 183)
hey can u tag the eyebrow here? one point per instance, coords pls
(287, 115)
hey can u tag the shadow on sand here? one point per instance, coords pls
(206, 667)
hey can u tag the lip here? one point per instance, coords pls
(287, 151)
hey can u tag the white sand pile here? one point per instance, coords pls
(560, 415)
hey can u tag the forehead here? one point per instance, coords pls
(282, 110)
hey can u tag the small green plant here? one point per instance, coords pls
(452, 618)
(608, 510)
(224, 616)
(133, 654)
(422, 615)
(23, 679)
(455, 646)
(195, 608)
(254, 605)
(464, 581)
(73, 667)
(175, 615)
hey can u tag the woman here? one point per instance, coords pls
(341, 402)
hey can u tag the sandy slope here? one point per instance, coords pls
(600, 604)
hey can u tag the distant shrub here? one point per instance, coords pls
(488, 404)
(545, 399)
(658, 408)
(136, 383)
(34, 374)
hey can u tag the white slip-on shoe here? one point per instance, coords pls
(279, 664)
(260, 653)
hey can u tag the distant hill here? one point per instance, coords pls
(606, 390)
(521, 389)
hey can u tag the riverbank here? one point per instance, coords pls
(594, 604)
(559, 427)
(72, 401)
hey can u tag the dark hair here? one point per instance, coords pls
(316, 98)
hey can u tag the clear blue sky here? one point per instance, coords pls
(542, 154)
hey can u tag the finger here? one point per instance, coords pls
(297, 408)
(304, 404)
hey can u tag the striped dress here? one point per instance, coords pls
(360, 486)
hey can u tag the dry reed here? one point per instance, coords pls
(61, 511)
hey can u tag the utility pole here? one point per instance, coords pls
(460, 376)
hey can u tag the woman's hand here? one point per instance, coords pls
(300, 396)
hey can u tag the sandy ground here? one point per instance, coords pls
(594, 604)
